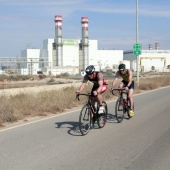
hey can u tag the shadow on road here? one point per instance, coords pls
(111, 118)
(73, 127)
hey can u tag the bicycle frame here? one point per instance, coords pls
(88, 112)
(125, 104)
(125, 100)
(89, 101)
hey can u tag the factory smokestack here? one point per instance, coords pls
(150, 46)
(156, 46)
(85, 41)
(58, 40)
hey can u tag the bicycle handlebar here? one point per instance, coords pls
(83, 94)
(120, 89)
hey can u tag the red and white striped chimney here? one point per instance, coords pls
(58, 40)
(85, 41)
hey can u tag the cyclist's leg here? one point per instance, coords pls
(131, 88)
(121, 84)
(130, 98)
(99, 96)
(93, 102)
(103, 108)
(131, 110)
(92, 95)
(130, 94)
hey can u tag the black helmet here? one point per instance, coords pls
(90, 70)
(122, 66)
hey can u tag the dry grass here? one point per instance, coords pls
(154, 82)
(19, 77)
(21, 106)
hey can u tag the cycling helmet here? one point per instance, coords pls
(122, 66)
(90, 70)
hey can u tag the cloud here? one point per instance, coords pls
(144, 10)
(40, 2)
(24, 21)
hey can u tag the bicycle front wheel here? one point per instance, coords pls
(119, 110)
(102, 118)
(84, 120)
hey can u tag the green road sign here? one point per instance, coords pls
(137, 49)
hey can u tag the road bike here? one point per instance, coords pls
(89, 114)
(122, 106)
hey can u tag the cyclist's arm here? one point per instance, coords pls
(115, 79)
(82, 86)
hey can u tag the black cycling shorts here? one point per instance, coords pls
(104, 88)
(126, 83)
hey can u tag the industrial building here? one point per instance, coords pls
(154, 60)
(72, 56)
(60, 55)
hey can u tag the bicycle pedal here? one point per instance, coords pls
(86, 119)
(92, 126)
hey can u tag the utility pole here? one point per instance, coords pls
(137, 57)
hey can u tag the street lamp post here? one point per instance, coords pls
(137, 57)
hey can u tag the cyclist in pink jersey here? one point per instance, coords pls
(99, 84)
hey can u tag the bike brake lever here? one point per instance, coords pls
(113, 92)
(77, 97)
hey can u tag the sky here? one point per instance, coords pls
(26, 23)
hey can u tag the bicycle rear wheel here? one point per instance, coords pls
(119, 110)
(102, 118)
(84, 120)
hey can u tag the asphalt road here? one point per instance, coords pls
(55, 143)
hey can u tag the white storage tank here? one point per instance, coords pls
(97, 68)
(133, 65)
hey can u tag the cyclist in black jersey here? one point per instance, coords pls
(127, 82)
(99, 84)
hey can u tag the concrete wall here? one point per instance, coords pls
(47, 54)
(70, 52)
(109, 58)
(93, 48)
(31, 65)
(57, 70)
